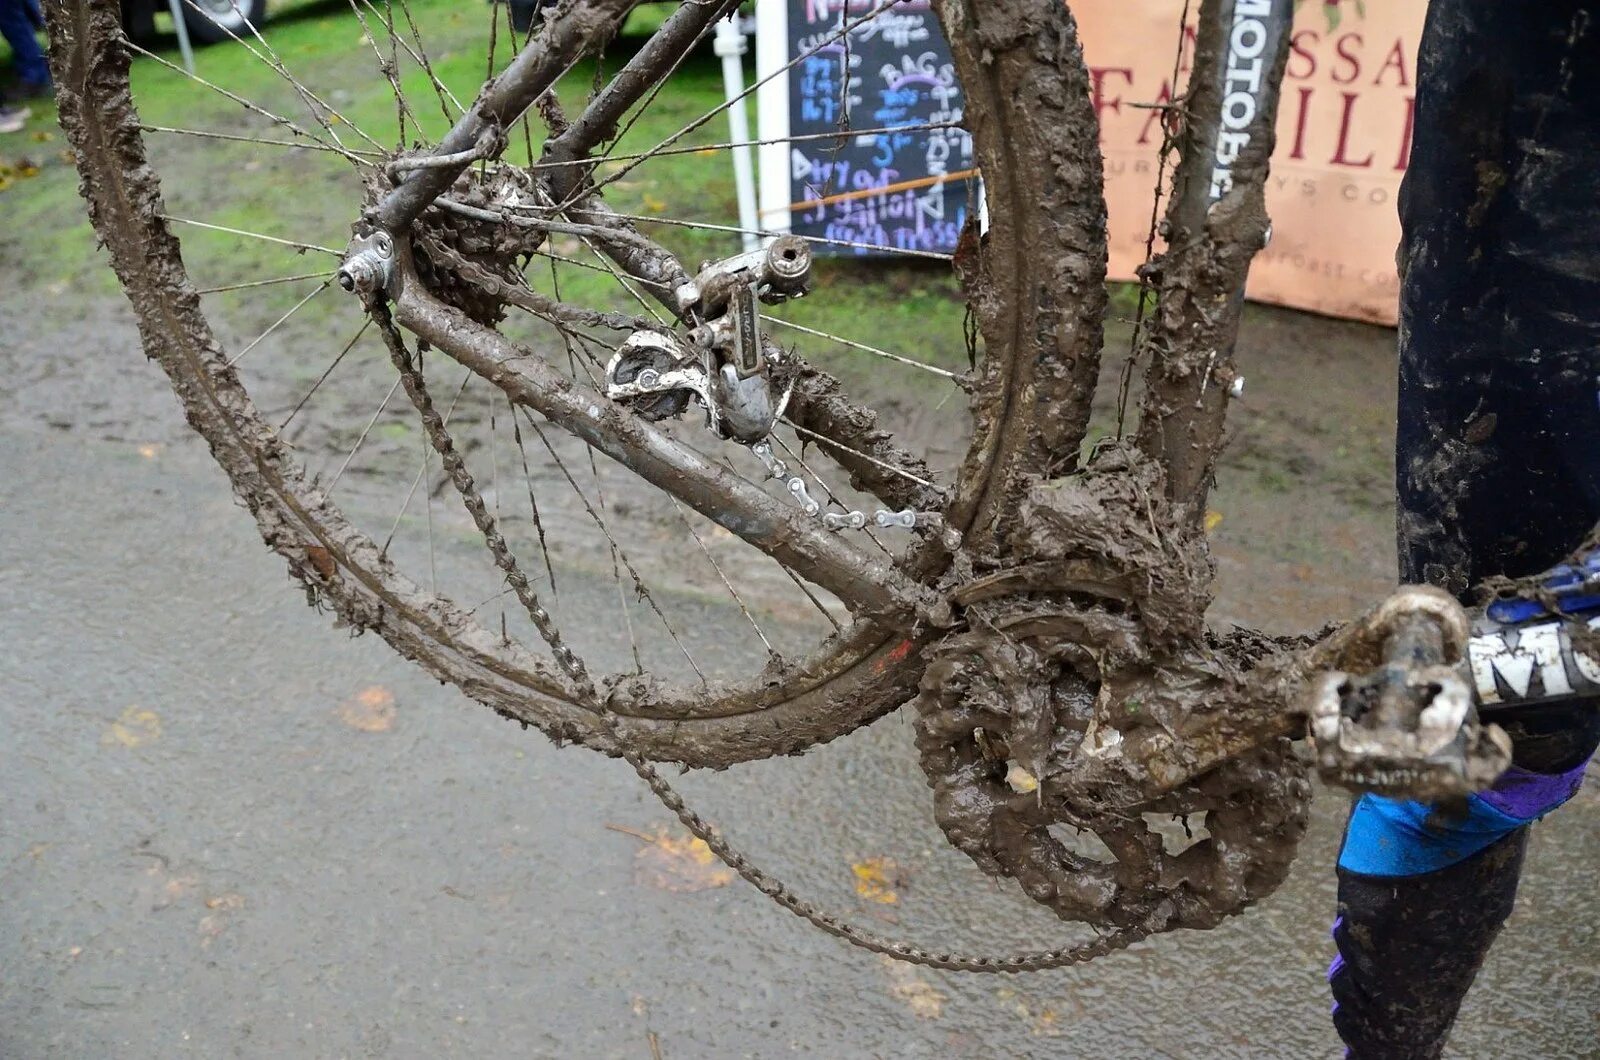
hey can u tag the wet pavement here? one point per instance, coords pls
(227, 829)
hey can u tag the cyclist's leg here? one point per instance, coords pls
(1497, 470)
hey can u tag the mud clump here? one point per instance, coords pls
(1078, 715)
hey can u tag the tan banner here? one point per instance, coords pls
(1344, 131)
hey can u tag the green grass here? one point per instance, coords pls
(313, 196)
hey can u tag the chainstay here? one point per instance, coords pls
(697, 826)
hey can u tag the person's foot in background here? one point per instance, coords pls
(13, 118)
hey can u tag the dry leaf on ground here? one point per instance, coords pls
(369, 710)
(925, 1000)
(675, 862)
(134, 728)
(877, 878)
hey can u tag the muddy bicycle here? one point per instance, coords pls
(1038, 600)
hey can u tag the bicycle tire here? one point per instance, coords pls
(852, 679)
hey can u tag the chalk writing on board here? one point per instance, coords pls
(899, 190)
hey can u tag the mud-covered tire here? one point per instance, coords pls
(854, 677)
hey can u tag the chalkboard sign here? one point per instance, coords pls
(861, 168)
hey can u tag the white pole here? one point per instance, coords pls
(775, 156)
(729, 44)
(181, 28)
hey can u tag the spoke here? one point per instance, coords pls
(639, 586)
(328, 492)
(308, 97)
(494, 484)
(263, 283)
(818, 604)
(427, 507)
(245, 103)
(533, 504)
(859, 346)
(830, 443)
(553, 256)
(274, 325)
(730, 145)
(421, 472)
(687, 525)
(637, 297)
(209, 135)
(388, 67)
(362, 330)
(616, 573)
(251, 235)
(772, 233)
(843, 31)
(420, 57)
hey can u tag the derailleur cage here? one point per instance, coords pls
(723, 364)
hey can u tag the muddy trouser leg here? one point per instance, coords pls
(1498, 471)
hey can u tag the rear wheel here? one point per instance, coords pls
(715, 654)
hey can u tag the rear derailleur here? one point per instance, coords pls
(726, 365)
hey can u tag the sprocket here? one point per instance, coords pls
(499, 250)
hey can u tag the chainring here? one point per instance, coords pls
(1055, 728)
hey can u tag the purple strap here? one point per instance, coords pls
(1526, 795)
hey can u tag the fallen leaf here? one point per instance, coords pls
(149, 452)
(1043, 1019)
(369, 710)
(216, 921)
(1213, 519)
(876, 879)
(924, 999)
(676, 862)
(135, 728)
(1021, 781)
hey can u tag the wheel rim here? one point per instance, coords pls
(347, 567)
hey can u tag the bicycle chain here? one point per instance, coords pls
(697, 826)
(417, 391)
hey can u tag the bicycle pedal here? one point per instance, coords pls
(1407, 726)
